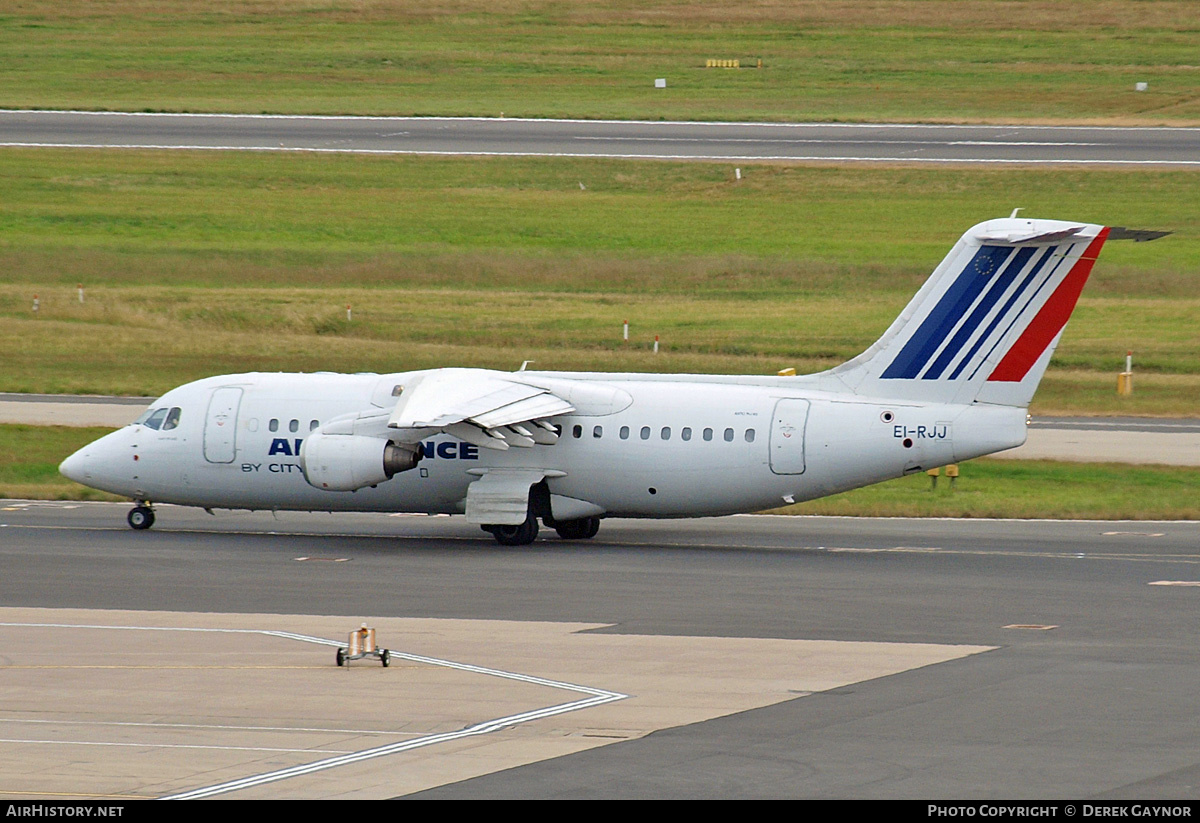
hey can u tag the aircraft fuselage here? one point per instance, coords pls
(678, 449)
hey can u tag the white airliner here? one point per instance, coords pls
(951, 379)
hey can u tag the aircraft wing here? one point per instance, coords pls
(478, 406)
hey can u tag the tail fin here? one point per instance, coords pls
(984, 325)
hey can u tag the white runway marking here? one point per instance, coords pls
(594, 697)
(382, 751)
(723, 123)
(614, 156)
(805, 140)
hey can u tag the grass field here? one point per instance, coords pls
(878, 60)
(196, 263)
(29, 458)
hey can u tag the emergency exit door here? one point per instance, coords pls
(787, 436)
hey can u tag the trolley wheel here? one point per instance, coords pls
(386, 657)
(341, 657)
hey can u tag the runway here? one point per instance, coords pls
(744, 142)
(1063, 657)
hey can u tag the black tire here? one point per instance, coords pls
(521, 535)
(386, 657)
(140, 518)
(584, 528)
(341, 657)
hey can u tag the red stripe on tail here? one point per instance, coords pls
(1050, 320)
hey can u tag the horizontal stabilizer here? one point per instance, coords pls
(1024, 236)
(1136, 235)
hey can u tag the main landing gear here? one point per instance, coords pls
(584, 528)
(521, 535)
(141, 516)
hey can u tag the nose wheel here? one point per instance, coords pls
(140, 517)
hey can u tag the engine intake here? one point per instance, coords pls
(347, 462)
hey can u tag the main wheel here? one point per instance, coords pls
(341, 657)
(582, 529)
(386, 657)
(141, 517)
(521, 535)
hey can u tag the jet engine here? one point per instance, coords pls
(346, 462)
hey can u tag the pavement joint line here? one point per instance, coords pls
(65, 504)
(212, 726)
(595, 697)
(171, 746)
(1076, 555)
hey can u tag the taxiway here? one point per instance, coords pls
(1062, 658)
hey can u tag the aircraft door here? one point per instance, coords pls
(220, 425)
(787, 436)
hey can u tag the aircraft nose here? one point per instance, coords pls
(75, 467)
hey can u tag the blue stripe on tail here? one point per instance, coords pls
(993, 294)
(1000, 315)
(967, 287)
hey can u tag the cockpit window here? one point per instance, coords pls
(143, 416)
(172, 420)
(155, 420)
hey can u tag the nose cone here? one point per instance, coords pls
(75, 467)
(106, 464)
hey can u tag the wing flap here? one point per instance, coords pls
(480, 407)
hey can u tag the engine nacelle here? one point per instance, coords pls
(346, 462)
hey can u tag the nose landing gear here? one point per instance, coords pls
(141, 516)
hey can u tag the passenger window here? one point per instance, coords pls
(666, 433)
(708, 434)
(273, 425)
(686, 433)
(645, 432)
(749, 435)
(155, 420)
(294, 426)
(313, 425)
(172, 420)
(729, 435)
(598, 432)
(624, 432)
(252, 424)
(577, 432)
